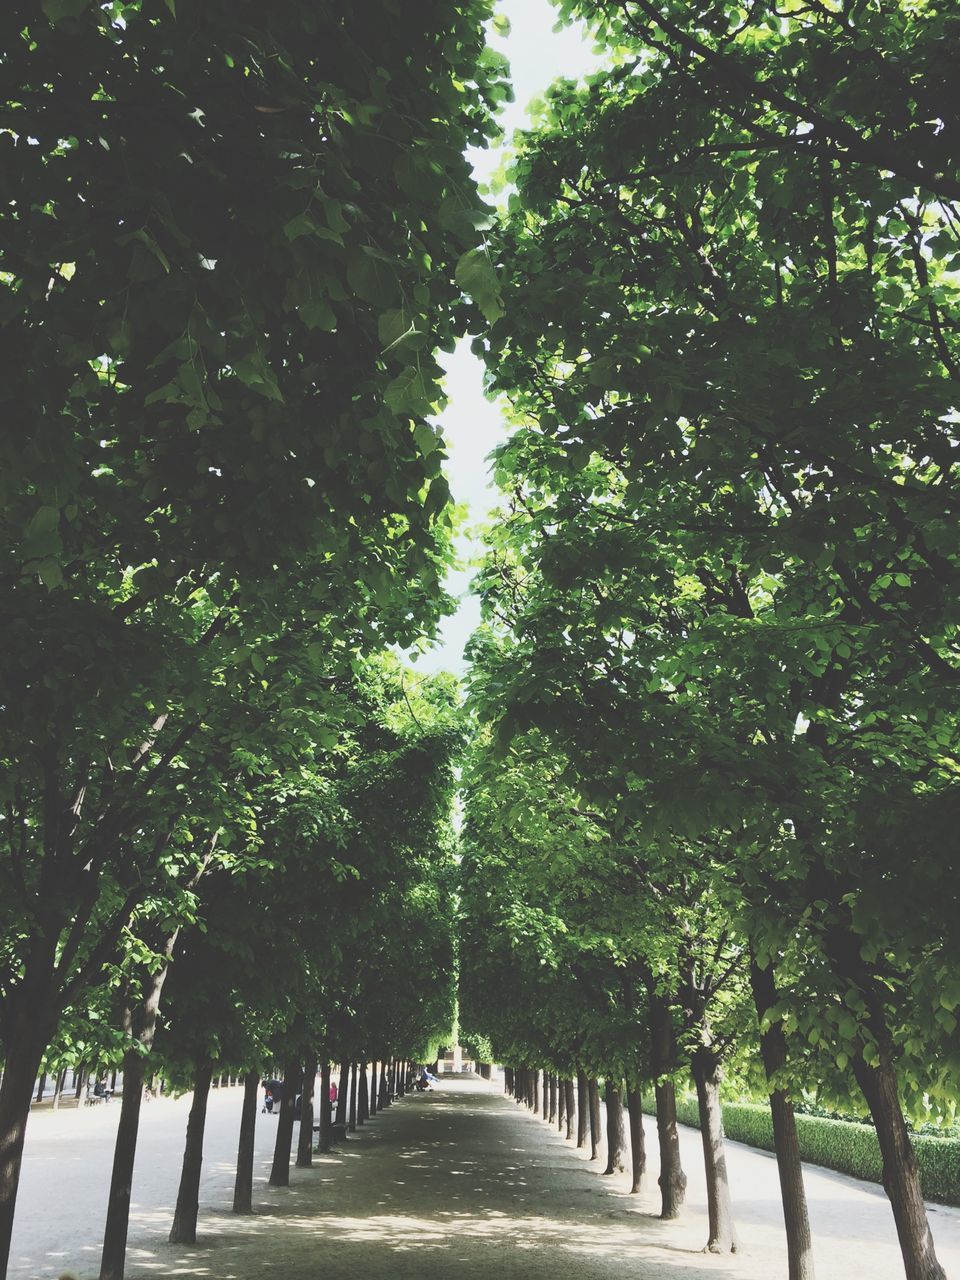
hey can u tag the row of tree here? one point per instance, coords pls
(711, 814)
(232, 244)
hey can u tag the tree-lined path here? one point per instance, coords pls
(459, 1178)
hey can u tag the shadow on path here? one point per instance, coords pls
(451, 1181)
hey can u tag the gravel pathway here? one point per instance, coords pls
(458, 1181)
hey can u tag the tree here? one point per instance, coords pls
(177, 413)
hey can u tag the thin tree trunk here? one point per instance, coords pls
(113, 1257)
(545, 1095)
(571, 1106)
(280, 1172)
(78, 1082)
(243, 1185)
(16, 1094)
(305, 1140)
(773, 1050)
(706, 1075)
(672, 1180)
(594, 1091)
(326, 1109)
(372, 1101)
(184, 1229)
(583, 1108)
(363, 1096)
(535, 1098)
(901, 1173)
(58, 1088)
(508, 1082)
(878, 1084)
(343, 1093)
(561, 1105)
(638, 1151)
(41, 1085)
(552, 1111)
(353, 1098)
(616, 1142)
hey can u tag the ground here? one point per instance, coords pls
(460, 1180)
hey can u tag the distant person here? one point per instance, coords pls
(333, 1092)
(102, 1090)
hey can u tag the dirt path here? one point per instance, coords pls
(456, 1180)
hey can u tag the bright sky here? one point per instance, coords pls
(472, 426)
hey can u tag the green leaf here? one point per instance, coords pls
(50, 572)
(393, 326)
(45, 520)
(370, 279)
(408, 393)
(301, 225)
(475, 276)
(318, 314)
(426, 438)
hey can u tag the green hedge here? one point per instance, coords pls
(837, 1144)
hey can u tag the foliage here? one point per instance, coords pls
(732, 614)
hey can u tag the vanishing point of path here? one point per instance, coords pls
(459, 1181)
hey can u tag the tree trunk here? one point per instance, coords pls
(508, 1082)
(583, 1106)
(672, 1180)
(184, 1229)
(638, 1150)
(363, 1096)
(280, 1173)
(773, 1050)
(16, 1094)
(353, 1098)
(58, 1088)
(616, 1143)
(706, 1075)
(78, 1082)
(113, 1258)
(901, 1173)
(326, 1108)
(305, 1140)
(372, 1096)
(593, 1088)
(552, 1108)
(243, 1185)
(343, 1093)
(571, 1106)
(878, 1084)
(41, 1085)
(535, 1099)
(545, 1095)
(561, 1106)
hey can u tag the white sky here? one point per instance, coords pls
(472, 426)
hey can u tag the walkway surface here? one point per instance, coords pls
(460, 1182)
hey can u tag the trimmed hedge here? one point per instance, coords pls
(837, 1144)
